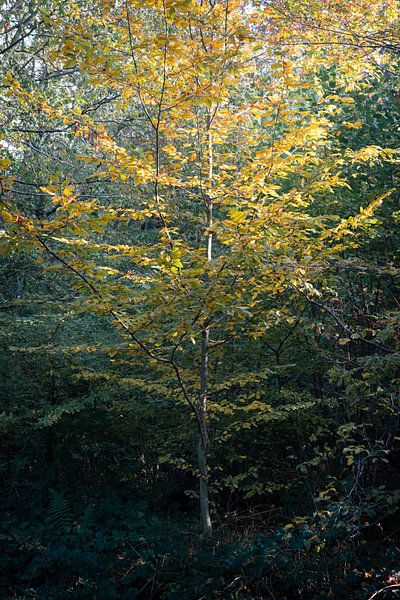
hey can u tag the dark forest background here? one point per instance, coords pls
(98, 476)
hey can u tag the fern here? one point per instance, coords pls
(59, 513)
(87, 521)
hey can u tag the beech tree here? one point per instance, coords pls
(219, 149)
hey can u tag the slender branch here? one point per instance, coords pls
(384, 589)
(128, 17)
(346, 328)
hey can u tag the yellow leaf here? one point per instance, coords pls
(68, 191)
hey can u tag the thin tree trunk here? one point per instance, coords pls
(203, 438)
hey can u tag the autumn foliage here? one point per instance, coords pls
(198, 205)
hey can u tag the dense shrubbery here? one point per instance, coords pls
(311, 512)
(115, 548)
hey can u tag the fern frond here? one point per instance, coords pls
(59, 514)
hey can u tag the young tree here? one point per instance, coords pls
(219, 146)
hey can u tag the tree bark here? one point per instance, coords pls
(205, 518)
(203, 445)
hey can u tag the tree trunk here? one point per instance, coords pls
(205, 518)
